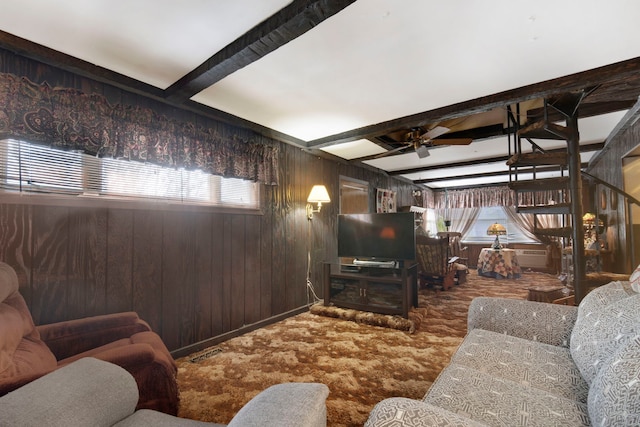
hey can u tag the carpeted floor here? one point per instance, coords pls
(361, 364)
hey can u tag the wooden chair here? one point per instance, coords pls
(456, 250)
(434, 267)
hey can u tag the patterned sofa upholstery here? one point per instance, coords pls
(527, 363)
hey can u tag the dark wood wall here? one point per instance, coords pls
(192, 274)
(608, 167)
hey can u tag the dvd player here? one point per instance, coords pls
(374, 263)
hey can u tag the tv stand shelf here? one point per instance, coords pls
(379, 290)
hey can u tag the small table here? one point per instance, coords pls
(546, 294)
(499, 264)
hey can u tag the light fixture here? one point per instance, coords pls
(588, 221)
(317, 195)
(496, 229)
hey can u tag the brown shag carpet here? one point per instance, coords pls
(361, 364)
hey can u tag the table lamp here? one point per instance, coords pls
(496, 229)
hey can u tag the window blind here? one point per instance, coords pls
(27, 167)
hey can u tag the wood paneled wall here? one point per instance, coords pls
(608, 167)
(192, 274)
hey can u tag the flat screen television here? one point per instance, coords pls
(377, 236)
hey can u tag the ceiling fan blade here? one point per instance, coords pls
(435, 132)
(423, 151)
(395, 150)
(452, 141)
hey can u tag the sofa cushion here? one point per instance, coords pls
(529, 363)
(601, 331)
(492, 400)
(88, 393)
(614, 398)
(533, 320)
(401, 411)
(147, 417)
(601, 297)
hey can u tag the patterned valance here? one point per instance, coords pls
(71, 119)
(494, 196)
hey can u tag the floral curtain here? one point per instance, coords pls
(475, 198)
(494, 196)
(70, 119)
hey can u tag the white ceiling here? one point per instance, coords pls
(375, 61)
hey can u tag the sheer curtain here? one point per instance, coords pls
(461, 219)
(526, 222)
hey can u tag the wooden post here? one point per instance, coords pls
(575, 187)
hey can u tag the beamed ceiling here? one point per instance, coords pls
(352, 79)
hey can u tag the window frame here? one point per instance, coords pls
(91, 189)
(511, 237)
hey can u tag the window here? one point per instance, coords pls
(488, 216)
(35, 168)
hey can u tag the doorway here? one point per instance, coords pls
(354, 196)
(631, 185)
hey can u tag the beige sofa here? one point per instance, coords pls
(526, 363)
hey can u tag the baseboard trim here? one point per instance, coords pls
(201, 345)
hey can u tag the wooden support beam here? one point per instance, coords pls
(276, 31)
(583, 148)
(573, 82)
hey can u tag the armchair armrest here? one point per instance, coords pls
(88, 392)
(536, 321)
(128, 357)
(9, 384)
(286, 405)
(400, 411)
(72, 337)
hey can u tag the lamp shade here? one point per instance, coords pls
(496, 229)
(318, 195)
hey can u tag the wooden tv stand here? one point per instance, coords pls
(379, 290)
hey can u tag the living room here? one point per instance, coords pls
(200, 276)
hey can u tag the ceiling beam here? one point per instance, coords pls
(583, 148)
(573, 82)
(62, 61)
(585, 109)
(583, 165)
(491, 174)
(274, 32)
(629, 119)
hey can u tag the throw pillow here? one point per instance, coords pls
(613, 397)
(601, 333)
(635, 279)
(602, 296)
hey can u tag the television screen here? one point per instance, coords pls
(380, 236)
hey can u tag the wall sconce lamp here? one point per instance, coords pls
(318, 195)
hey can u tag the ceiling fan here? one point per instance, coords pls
(422, 141)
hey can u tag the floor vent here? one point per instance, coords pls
(205, 354)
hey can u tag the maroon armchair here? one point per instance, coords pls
(28, 352)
